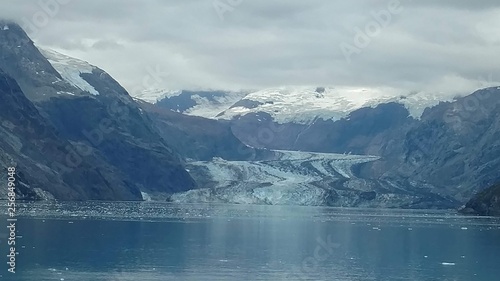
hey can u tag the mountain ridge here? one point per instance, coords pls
(437, 158)
(109, 125)
(303, 104)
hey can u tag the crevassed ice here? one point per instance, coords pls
(282, 181)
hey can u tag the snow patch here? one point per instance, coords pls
(210, 108)
(65, 93)
(70, 69)
(145, 196)
(154, 95)
(206, 106)
(5, 27)
(44, 195)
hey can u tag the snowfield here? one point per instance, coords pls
(305, 104)
(302, 105)
(155, 95)
(70, 69)
(210, 109)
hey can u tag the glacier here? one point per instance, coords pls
(300, 178)
(290, 178)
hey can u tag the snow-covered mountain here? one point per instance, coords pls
(207, 104)
(300, 105)
(155, 95)
(439, 159)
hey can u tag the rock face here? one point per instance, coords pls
(36, 149)
(198, 138)
(364, 131)
(92, 115)
(485, 203)
(454, 147)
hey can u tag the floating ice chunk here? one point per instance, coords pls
(448, 263)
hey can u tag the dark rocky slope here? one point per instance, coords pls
(364, 131)
(485, 203)
(199, 138)
(108, 125)
(46, 162)
(454, 149)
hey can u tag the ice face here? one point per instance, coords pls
(293, 178)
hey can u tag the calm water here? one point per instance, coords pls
(156, 241)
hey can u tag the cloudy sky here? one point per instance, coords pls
(424, 45)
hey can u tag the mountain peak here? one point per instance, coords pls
(12, 32)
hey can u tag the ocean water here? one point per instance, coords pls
(159, 241)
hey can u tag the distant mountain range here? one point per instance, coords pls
(74, 133)
(445, 145)
(301, 105)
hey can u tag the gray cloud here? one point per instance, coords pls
(430, 45)
(105, 44)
